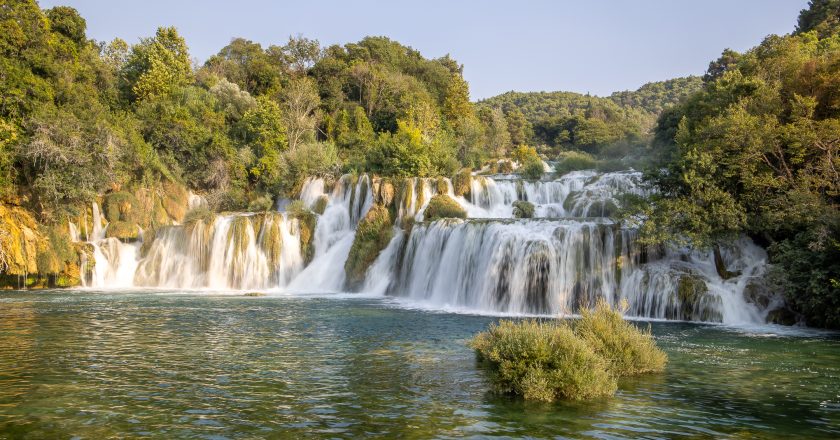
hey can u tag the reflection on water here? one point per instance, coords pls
(100, 365)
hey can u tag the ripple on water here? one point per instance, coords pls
(144, 363)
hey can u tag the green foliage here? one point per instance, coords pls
(574, 161)
(756, 151)
(443, 206)
(532, 168)
(121, 206)
(542, 361)
(523, 209)
(261, 204)
(628, 350)
(822, 16)
(372, 235)
(548, 360)
(158, 65)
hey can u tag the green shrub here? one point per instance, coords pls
(542, 361)
(547, 360)
(372, 235)
(443, 206)
(523, 209)
(627, 349)
(574, 161)
(199, 214)
(532, 168)
(261, 204)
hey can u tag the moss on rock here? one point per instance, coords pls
(19, 240)
(320, 204)
(175, 201)
(123, 231)
(523, 209)
(443, 206)
(690, 291)
(462, 183)
(372, 235)
(121, 206)
(307, 220)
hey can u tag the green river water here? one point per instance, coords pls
(98, 365)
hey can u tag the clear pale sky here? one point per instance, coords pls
(596, 46)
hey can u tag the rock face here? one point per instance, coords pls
(443, 206)
(373, 234)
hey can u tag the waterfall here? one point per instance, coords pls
(569, 255)
(550, 267)
(240, 251)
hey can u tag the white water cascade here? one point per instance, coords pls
(570, 254)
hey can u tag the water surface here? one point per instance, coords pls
(81, 364)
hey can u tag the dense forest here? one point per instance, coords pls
(749, 148)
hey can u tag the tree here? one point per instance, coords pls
(247, 65)
(497, 136)
(266, 136)
(456, 104)
(300, 111)
(518, 126)
(822, 16)
(158, 65)
(301, 53)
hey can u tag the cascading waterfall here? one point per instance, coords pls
(550, 267)
(569, 255)
(348, 203)
(254, 251)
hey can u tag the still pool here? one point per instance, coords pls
(96, 365)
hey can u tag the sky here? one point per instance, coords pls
(591, 46)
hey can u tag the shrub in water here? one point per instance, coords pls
(523, 209)
(543, 361)
(443, 206)
(627, 349)
(555, 360)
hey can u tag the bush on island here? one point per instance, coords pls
(549, 360)
(543, 360)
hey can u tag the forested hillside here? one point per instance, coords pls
(573, 121)
(757, 151)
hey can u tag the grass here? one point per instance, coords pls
(550, 360)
